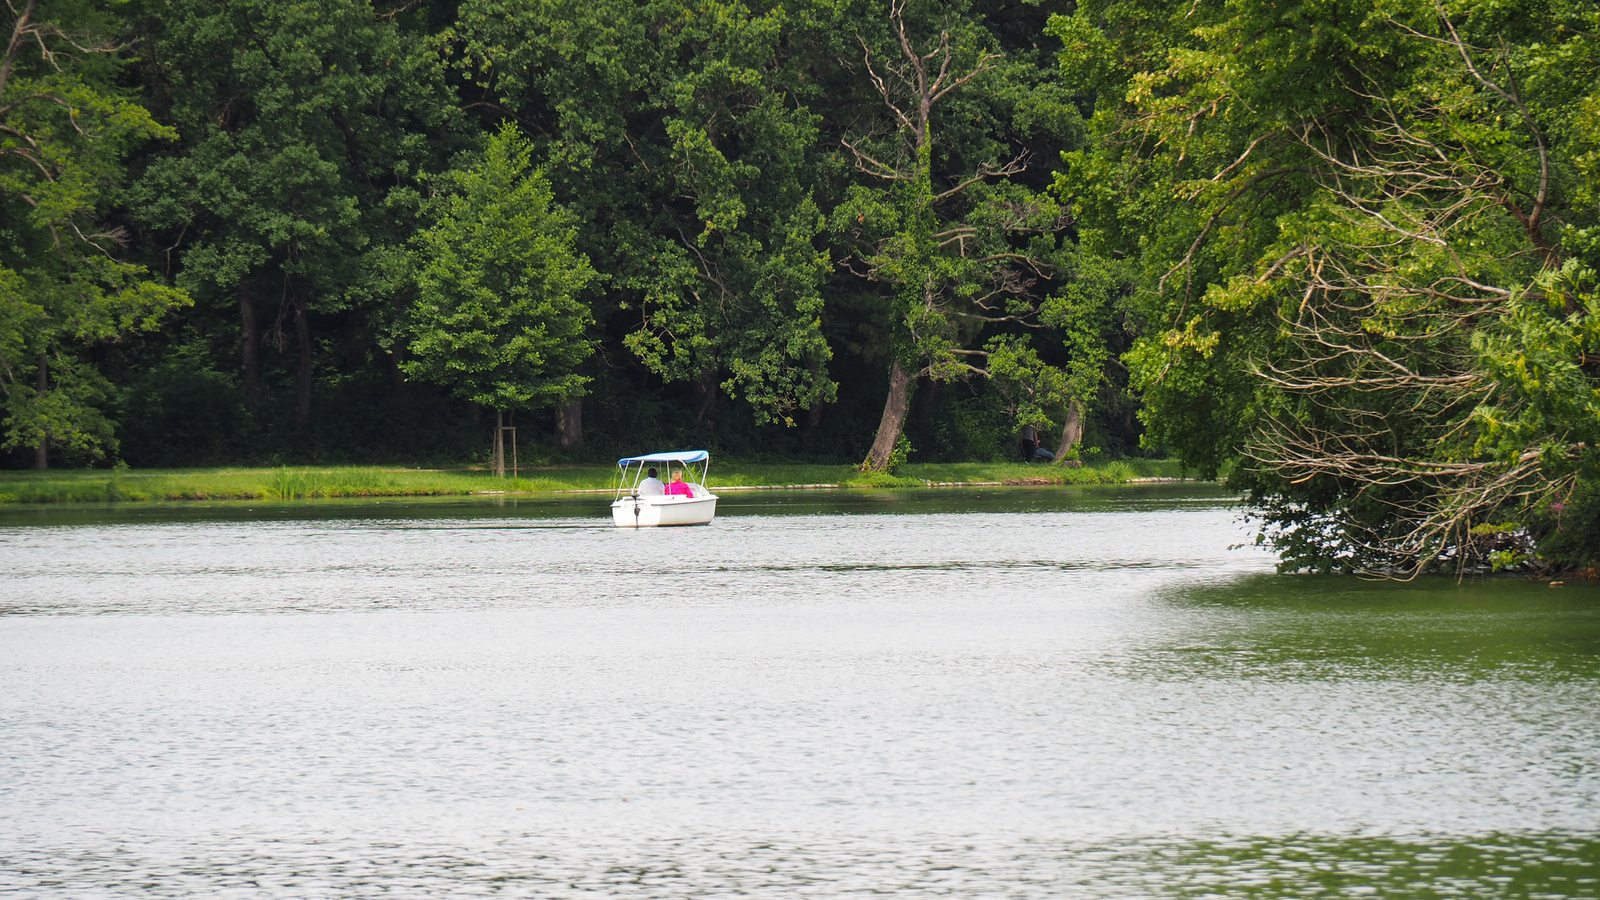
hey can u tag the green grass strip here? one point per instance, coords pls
(308, 482)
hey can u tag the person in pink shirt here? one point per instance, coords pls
(678, 488)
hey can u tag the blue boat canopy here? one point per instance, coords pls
(681, 456)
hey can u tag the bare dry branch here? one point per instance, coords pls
(986, 171)
(871, 165)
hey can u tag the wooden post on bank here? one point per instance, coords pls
(500, 430)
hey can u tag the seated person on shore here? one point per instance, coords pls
(651, 486)
(1030, 447)
(678, 488)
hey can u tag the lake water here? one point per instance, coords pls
(1010, 693)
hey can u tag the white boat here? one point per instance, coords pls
(642, 503)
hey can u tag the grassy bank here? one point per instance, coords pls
(286, 483)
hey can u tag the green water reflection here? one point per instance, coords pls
(1421, 868)
(1318, 627)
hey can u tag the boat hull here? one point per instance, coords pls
(651, 512)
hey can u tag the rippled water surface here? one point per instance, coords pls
(1013, 693)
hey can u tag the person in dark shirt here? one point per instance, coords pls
(1030, 447)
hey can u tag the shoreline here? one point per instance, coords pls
(30, 488)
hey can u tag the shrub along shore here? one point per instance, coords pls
(307, 482)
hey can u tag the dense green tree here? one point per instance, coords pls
(305, 128)
(1539, 431)
(769, 205)
(961, 244)
(1088, 316)
(66, 128)
(497, 318)
(1335, 207)
(678, 133)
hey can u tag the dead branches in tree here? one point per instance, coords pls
(1375, 372)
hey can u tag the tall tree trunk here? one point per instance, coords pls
(814, 411)
(499, 446)
(17, 36)
(250, 345)
(893, 421)
(569, 425)
(395, 357)
(705, 387)
(1071, 432)
(41, 454)
(814, 414)
(302, 337)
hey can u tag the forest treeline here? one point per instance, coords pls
(1341, 252)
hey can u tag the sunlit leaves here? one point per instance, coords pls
(1327, 201)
